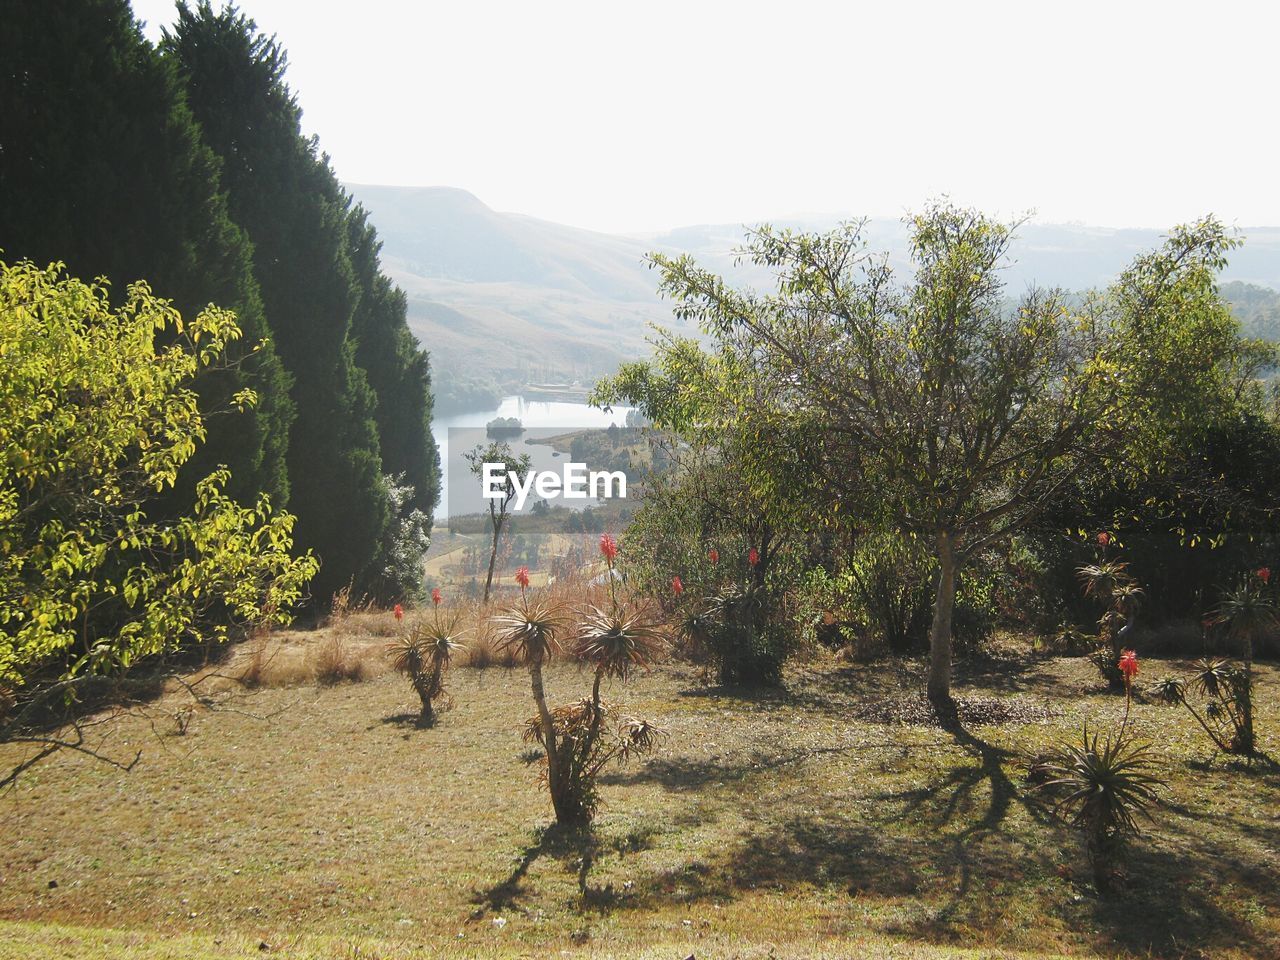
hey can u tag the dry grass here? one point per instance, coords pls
(483, 652)
(336, 662)
(338, 829)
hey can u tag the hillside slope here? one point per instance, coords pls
(512, 297)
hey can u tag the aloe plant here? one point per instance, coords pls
(580, 738)
(1111, 582)
(1101, 788)
(424, 653)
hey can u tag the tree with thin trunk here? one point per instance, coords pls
(579, 739)
(498, 455)
(941, 409)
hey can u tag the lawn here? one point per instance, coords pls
(312, 821)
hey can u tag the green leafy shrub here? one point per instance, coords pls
(891, 579)
(748, 645)
(98, 415)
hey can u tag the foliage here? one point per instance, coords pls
(104, 168)
(891, 578)
(98, 413)
(587, 739)
(1101, 789)
(1226, 713)
(398, 371)
(748, 646)
(530, 632)
(1169, 690)
(1110, 581)
(1211, 510)
(503, 428)
(457, 392)
(404, 543)
(618, 641)
(1247, 611)
(931, 407)
(360, 385)
(716, 492)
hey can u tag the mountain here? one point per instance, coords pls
(510, 298)
(503, 299)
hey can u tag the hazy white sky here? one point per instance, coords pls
(640, 116)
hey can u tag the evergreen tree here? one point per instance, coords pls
(282, 190)
(398, 370)
(103, 167)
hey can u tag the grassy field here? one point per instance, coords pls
(309, 821)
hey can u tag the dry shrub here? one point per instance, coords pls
(254, 671)
(366, 622)
(359, 617)
(336, 661)
(483, 651)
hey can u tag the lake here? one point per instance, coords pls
(541, 418)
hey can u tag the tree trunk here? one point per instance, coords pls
(567, 812)
(1101, 849)
(423, 688)
(940, 636)
(493, 551)
(1246, 708)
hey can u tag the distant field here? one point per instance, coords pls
(320, 822)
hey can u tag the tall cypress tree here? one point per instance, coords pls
(398, 370)
(282, 190)
(102, 166)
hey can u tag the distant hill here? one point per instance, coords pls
(1071, 256)
(503, 299)
(510, 297)
(1257, 307)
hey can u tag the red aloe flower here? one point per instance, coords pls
(436, 596)
(1129, 665)
(398, 611)
(713, 555)
(753, 556)
(1264, 574)
(1104, 538)
(608, 546)
(522, 577)
(676, 586)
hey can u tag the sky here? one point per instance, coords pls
(640, 117)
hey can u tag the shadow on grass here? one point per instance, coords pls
(973, 853)
(970, 849)
(408, 721)
(578, 848)
(680, 775)
(1167, 909)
